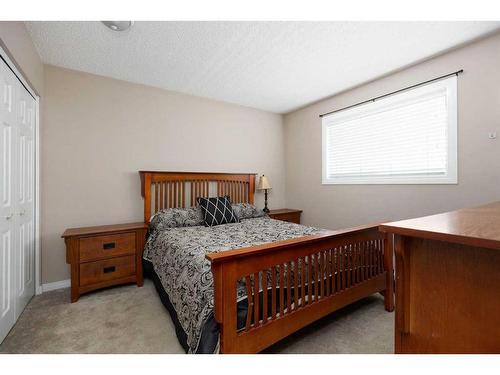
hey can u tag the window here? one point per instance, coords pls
(405, 138)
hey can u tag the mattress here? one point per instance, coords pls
(175, 259)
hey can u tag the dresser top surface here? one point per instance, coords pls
(477, 226)
(284, 211)
(103, 229)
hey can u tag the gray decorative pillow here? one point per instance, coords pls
(247, 211)
(177, 217)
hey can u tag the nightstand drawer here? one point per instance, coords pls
(106, 246)
(286, 214)
(292, 218)
(105, 270)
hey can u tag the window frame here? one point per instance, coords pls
(451, 176)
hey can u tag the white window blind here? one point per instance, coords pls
(406, 138)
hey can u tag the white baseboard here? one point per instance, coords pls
(56, 285)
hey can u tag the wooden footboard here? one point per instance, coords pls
(293, 283)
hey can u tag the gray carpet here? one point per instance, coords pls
(128, 319)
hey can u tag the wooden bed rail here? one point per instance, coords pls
(293, 283)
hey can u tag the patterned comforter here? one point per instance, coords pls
(178, 258)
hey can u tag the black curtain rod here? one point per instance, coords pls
(394, 92)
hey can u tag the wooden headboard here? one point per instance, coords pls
(181, 189)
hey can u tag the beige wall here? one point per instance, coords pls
(337, 206)
(99, 132)
(15, 36)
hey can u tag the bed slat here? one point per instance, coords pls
(282, 294)
(249, 302)
(303, 282)
(264, 296)
(273, 292)
(289, 287)
(328, 260)
(316, 277)
(256, 284)
(381, 256)
(296, 284)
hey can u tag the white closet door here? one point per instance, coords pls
(7, 195)
(25, 228)
(17, 227)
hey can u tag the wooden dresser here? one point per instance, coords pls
(286, 214)
(104, 256)
(448, 282)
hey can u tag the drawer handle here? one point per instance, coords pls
(109, 269)
(108, 246)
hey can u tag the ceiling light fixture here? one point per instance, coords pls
(118, 25)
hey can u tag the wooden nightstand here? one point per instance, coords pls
(104, 256)
(286, 214)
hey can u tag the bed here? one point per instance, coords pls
(241, 287)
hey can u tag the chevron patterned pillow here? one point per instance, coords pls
(217, 211)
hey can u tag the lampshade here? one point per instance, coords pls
(263, 183)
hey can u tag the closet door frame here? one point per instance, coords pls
(9, 60)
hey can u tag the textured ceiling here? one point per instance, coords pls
(274, 66)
